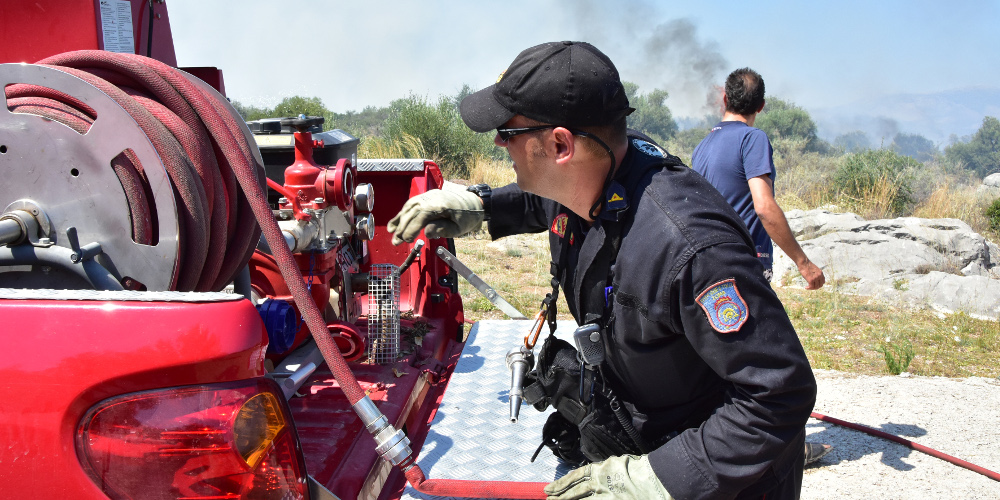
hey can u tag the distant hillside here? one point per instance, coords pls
(935, 116)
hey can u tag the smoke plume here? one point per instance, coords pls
(670, 56)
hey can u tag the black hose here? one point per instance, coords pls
(149, 32)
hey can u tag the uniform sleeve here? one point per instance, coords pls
(758, 156)
(514, 211)
(771, 389)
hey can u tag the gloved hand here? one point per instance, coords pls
(628, 476)
(446, 214)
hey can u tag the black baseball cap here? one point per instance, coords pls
(571, 84)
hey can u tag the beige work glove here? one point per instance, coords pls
(442, 214)
(627, 476)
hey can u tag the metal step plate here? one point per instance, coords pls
(472, 437)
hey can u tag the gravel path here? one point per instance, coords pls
(959, 417)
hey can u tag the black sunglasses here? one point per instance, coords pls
(506, 133)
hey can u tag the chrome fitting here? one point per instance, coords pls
(391, 444)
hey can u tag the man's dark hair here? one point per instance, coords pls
(744, 92)
(614, 135)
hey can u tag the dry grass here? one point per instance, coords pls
(803, 178)
(491, 171)
(956, 202)
(407, 146)
(517, 267)
(845, 332)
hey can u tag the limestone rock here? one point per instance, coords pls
(941, 263)
(990, 187)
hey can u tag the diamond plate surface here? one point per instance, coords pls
(472, 436)
(403, 165)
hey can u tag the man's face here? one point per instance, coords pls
(527, 153)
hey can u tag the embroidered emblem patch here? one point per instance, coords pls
(648, 147)
(724, 306)
(616, 197)
(559, 225)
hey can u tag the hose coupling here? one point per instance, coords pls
(391, 444)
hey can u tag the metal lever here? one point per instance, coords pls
(479, 284)
(520, 360)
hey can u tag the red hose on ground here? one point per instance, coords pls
(909, 444)
(473, 489)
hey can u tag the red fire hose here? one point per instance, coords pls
(909, 444)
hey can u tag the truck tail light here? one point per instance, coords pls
(224, 441)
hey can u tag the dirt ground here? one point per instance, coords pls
(958, 417)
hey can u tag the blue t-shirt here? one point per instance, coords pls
(732, 153)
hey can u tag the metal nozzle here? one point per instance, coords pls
(520, 360)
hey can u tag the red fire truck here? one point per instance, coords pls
(195, 307)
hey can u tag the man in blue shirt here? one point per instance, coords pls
(737, 159)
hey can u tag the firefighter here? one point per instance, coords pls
(699, 350)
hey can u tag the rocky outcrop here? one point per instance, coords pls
(990, 187)
(941, 263)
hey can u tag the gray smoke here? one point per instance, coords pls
(670, 56)
(885, 130)
(691, 70)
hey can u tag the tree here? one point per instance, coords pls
(981, 154)
(915, 146)
(784, 120)
(298, 105)
(651, 116)
(251, 113)
(440, 132)
(853, 142)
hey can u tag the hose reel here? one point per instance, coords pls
(129, 164)
(67, 176)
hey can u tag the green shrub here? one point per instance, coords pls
(993, 215)
(440, 131)
(897, 356)
(877, 181)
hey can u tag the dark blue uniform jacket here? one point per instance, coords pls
(741, 398)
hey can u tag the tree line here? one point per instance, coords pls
(434, 126)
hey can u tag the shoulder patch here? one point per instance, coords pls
(559, 224)
(648, 147)
(724, 306)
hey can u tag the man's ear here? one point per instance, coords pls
(565, 144)
(762, 103)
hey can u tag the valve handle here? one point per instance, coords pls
(302, 123)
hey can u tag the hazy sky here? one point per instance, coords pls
(355, 54)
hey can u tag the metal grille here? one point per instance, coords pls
(383, 313)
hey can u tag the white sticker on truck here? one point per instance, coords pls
(116, 24)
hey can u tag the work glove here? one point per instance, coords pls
(442, 214)
(627, 476)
